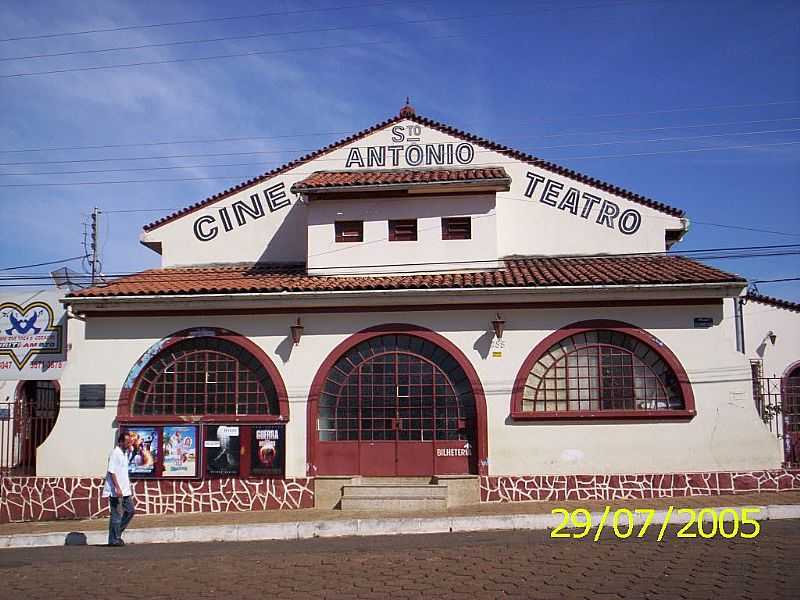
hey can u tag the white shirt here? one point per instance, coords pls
(118, 465)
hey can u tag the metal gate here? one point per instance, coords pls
(25, 424)
(778, 402)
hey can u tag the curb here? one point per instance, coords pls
(300, 530)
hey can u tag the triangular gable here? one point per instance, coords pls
(548, 210)
(406, 114)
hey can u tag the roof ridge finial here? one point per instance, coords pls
(408, 110)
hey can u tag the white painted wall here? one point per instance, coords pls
(759, 320)
(525, 224)
(326, 256)
(726, 434)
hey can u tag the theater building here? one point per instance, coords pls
(412, 305)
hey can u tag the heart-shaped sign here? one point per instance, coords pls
(27, 331)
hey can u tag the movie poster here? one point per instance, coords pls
(180, 451)
(144, 451)
(223, 449)
(267, 452)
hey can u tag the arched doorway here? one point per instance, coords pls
(35, 413)
(396, 400)
(790, 409)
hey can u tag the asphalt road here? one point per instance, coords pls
(479, 565)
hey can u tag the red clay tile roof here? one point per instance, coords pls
(347, 179)
(444, 128)
(518, 272)
(777, 302)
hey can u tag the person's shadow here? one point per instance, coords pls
(75, 538)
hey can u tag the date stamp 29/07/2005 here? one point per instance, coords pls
(625, 523)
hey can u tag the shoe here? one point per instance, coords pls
(117, 543)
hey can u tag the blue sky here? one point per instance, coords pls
(578, 82)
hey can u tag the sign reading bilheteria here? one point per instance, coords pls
(32, 335)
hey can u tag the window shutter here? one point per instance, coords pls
(403, 230)
(456, 228)
(349, 231)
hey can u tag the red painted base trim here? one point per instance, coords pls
(51, 498)
(521, 488)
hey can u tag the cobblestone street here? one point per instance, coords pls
(481, 565)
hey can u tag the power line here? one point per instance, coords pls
(676, 110)
(137, 210)
(250, 176)
(167, 277)
(776, 280)
(206, 20)
(275, 34)
(301, 150)
(518, 199)
(664, 128)
(345, 132)
(693, 222)
(741, 228)
(176, 142)
(740, 147)
(670, 139)
(223, 56)
(709, 253)
(42, 264)
(301, 49)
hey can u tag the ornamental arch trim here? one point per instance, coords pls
(792, 368)
(413, 331)
(632, 338)
(227, 340)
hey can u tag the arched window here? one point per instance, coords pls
(396, 387)
(612, 371)
(204, 376)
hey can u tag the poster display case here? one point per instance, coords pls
(218, 450)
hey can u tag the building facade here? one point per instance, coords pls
(412, 301)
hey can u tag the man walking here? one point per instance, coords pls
(118, 490)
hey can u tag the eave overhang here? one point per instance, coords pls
(414, 299)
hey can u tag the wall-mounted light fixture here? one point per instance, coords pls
(772, 337)
(297, 331)
(499, 325)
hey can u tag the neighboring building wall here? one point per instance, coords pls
(726, 434)
(759, 320)
(280, 234)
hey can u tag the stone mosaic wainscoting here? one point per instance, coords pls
(520, 488)
(50, 498)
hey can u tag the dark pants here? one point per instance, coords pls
(122, 511)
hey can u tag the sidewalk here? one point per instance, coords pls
(308, 523)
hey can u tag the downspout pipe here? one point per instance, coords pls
(738, 317)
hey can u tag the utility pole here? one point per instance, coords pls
(95, 245)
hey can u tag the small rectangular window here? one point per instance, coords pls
(349, 231)
(456, 228)
(403, 230)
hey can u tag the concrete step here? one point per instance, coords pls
(383, 504)
(360, 480)
(393, 494)
(394, 491)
